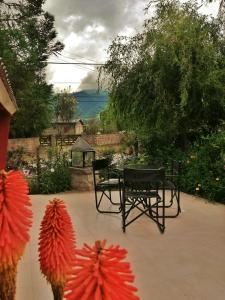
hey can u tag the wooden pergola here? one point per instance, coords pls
(7, 108)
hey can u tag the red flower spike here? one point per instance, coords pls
(56, 246)
(100, 274)
(15, 222)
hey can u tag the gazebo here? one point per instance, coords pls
(7, 108)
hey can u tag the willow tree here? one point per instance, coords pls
(167, 82)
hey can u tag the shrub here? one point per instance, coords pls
(45, 176)
(204, 168)
(33, 185)
(107, 153)
(54, 175)
(92, 126)
(15, 159)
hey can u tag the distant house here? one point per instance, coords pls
(75, 127)
(7, 108)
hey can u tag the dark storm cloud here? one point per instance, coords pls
(76, 15)
(87, 27)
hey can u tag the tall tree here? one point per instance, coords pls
(27, 39)
(65, 106)
(169, 79)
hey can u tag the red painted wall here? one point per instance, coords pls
(4, 132)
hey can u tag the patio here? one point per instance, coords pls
(186, 262)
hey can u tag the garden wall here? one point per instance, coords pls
(103, 139)
(98, 141)
(28, 144)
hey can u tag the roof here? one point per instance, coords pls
(81, 145)
(7, 98)
(67, 122)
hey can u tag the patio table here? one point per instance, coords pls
(137, 194)
(170, 183)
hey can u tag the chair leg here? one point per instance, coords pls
(175, 194)
(123, 214)
(158, 216)
(163, 211)
(178, 201)
(99, 200)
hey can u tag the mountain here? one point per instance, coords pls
(90, 103)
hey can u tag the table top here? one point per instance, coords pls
(138, 167)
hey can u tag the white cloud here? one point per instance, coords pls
(87, 28)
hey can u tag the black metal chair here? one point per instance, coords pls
(104, 185)
(172, 184)
(173, 170)
(141, 190)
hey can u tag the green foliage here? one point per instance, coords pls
(204, 168)
(33, 185)
(15, 159)
(35, 111)
(45, 176)
(92, 126)
(27, 39)
(107, 153)
(65, 106)
(167, 83)
(54, 175)
(107, 120)
(130, 142)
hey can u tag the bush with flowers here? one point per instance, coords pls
(204, 168)
(202, 164)
(54, 174)
(47, 175)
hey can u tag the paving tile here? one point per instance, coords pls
(187, 262)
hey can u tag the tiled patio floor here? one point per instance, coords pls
(186, 262)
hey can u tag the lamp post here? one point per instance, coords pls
(82, 155)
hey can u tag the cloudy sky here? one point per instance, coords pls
(87, 27)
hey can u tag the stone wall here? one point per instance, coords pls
(28, 144)
(103, 139)
(82, 179)
(100, 140)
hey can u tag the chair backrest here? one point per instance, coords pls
(99, 164)
(143, 179)
(100, 169)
